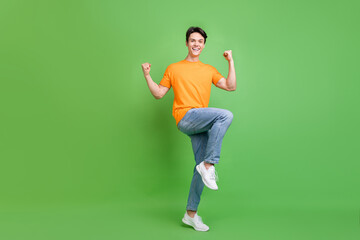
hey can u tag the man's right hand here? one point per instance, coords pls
(146, 68)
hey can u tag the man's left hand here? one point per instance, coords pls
(228, 55)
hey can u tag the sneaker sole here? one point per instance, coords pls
(197, 229)
(198, 169)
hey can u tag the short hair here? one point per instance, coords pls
(195, 29)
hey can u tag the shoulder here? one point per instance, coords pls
(209, 66)
(174, 66)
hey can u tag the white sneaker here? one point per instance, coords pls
(196, 222)
(208, 176)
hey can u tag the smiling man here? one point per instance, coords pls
(191, 80)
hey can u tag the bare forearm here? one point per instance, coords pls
(231, 79)
(154, 87)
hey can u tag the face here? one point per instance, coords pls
(195, 44)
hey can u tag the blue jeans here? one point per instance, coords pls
(206, 127)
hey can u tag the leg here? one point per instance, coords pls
(215, 121)
(199, 142)
(216, 134)
(204, 125)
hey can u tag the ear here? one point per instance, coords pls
(186, 43)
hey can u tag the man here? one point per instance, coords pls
(191, 81)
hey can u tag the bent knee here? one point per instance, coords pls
(228, 115)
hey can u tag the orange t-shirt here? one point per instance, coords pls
(191, 82)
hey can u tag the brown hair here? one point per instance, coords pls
(195, 29)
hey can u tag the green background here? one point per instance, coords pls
(88, 153)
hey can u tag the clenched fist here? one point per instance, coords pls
(228, 55)
(146, 68)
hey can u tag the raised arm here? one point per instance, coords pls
(157, 90)
(228, 84)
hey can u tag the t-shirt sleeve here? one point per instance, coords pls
(216, 76)
(166, 80)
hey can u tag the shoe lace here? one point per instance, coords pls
(199, 219)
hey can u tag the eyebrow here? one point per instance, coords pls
(196, 39)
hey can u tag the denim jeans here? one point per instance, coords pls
(206, 127)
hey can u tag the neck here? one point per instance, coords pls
(191, 58)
